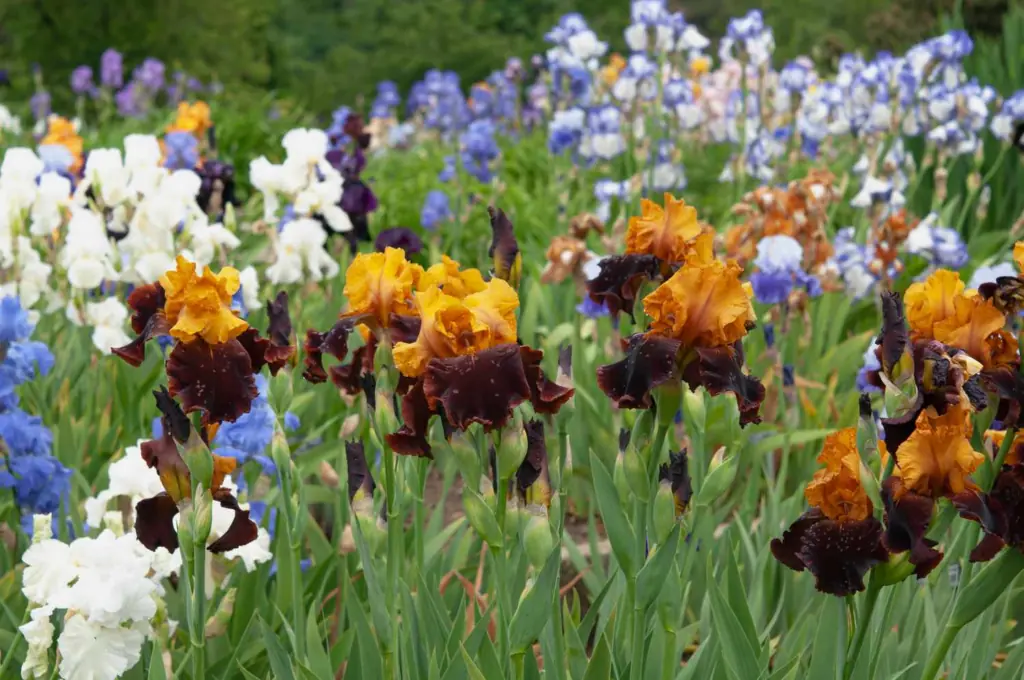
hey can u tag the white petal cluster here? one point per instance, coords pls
(107, 590)
(313, 189)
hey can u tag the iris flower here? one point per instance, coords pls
(839, 539)
(216, 354)
(698, 318)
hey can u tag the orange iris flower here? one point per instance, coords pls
(381, 284)
(836, 490)
(668, 233)
(937, 459)
(452, 327)
(704, 304)
(451, 279)
(192, 118)
(200, 306)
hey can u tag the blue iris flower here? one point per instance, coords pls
(38, 480)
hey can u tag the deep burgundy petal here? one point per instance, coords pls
(154, 522)
(333, 342)
(504, 250)
(279, 329)
(620, 279)
(478, 388)
(350, 377)
(215, 379)
(411, 437)
(650, 361)
(174, 420)
(145, 301)
(359, 476)
(839, 554)
(718, 371)
(242, 530)
(677, 473)
(398, 237)
(403, 327)
(894, 337)
(1008, 384)
(135, 351)
(787, 549)
(536, 456)
(907, 521)
(545, 395)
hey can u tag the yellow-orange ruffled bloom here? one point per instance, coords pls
(931, 301)
(836, 490)
(452, 327)
(667, 233)
(937, 459)
(704, 304)
(200, 306)
(192, 118)
(452, 279)
(378, 285)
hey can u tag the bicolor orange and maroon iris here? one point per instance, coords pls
(839, 539)
(216, 354)
(940, 308)
(698, 318)
(668, 233)
(154, 518)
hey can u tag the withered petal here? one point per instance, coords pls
(650, 361)
(545, 395)
(154, 522)
(536, 456)
(620, 279)
(411, 438)
(279, 329)
(504, 248)
(894, 337)
(478, 388)
(333, 342)
(677, 474)
(718, 371)
(174, 419)
(242, 530)
(215, 379)
(359, 476)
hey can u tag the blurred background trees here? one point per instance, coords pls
(321, 53)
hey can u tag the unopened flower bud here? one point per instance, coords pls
(42, 528)
(512, 448)
(328, 476)
(349, 426)
(114, 521)
(217, 624)
(619, 477)
(897, 569)
(202, 518)
(664, 512)
(197, 457)
(668, 399)
(643, 432)
(537, 539)
(636, 476)
(186, 530)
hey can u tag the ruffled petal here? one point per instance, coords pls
(650, 361)
(720, 370)
(620, 279)
(215, 379)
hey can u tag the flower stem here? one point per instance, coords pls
(394, 550)
(669, 659)
(198, 628)
(862, 625)
(939, 652)
(501, 573)
(639, 526)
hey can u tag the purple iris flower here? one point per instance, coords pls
(81, 80)
(112, 69)
(150, 74)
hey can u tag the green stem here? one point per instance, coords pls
(501, 573)
(966, 209)
(421, 516)
(669, 657)
(198, 628)
(557, 520)
(394, 550)
(518, 666)
(9, 654)
(939, 651)
(862, 626)
(637, 650)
